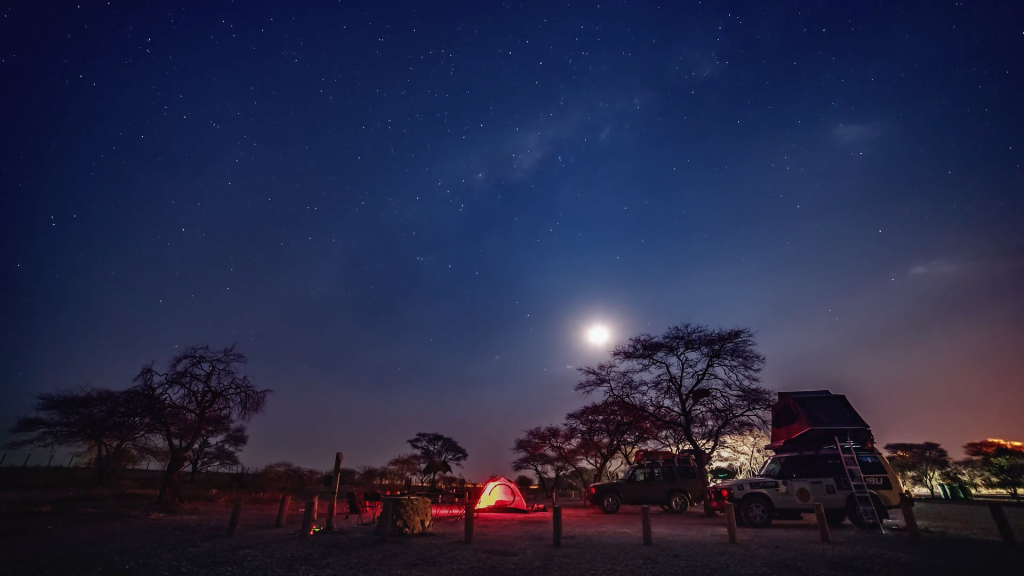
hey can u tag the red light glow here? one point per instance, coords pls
(501, 493)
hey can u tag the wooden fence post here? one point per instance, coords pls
(819, 514)
(329, 525)
(469, 518)
(25, 463)
(282, 511)
(907, 506)
(73, 459)
(645, 520)
(1005, 530)
(236, 513)
(316, 504)
(333, 504)
(2, 459)
(307, 521)
(50, 460)
(556, 526)
(730, 521)
(386, 512)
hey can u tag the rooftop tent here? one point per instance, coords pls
(815, 418)
(501, 495)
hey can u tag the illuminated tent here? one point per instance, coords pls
(815, 419)
(501, 495)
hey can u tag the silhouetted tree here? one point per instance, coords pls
(199, 386)
(438, 451)
(106, 424)
(291, 478)
(218, 447)
(923, 463)
(405, 466)
(524, 481)
(534, 453)
(600, 434)
(1003, 462)
(744, 451)
(697, 383)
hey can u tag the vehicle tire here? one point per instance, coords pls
(678, 502)
(835, 517)
(756, 512)
(709, 512)
(610, 503)
(853, 512)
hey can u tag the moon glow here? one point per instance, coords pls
(597, 335)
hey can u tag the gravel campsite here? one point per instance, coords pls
(69, 535)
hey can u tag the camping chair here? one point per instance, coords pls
(357, 506)
(372, 502)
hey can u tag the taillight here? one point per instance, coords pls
(725, 493)
(592, 489)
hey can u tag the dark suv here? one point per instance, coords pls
(673, 484)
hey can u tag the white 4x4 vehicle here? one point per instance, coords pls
(791, 483)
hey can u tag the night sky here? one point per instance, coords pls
(408, 214)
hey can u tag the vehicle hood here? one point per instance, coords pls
(745, 482)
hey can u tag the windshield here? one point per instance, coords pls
(627, 473)
(772, 468)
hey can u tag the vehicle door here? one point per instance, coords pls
(835, 487)
(649, 482)
(661, 480)
(686, 480)
(634, 485)
(799, 482)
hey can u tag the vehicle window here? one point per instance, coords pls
(639, 475)
(871, 465)
(655, 475)
(793, 467)
(669, 473)
(832, 467)
(772, 468)
(685, 473)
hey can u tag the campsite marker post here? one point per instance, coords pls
(907, 506)
(469, 519)
(730, 521)
(236, 513)
(386, 512)
(556, 525)
(333, 504)
(316, 504)
(282, 512)
(307, 520)
(819, 514)
(645, 520)
(1005, 530)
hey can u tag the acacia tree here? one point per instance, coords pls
(106, 424)
(924, 463)
(533, 453)
(1003, 462)
(603, 432)
(745, 451)
(218, 446)
(199, 386)
(405, 466)
(697, 383)
(438, 451)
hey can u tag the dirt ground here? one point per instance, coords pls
(129, 537)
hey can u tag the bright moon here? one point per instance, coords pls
(597, 335)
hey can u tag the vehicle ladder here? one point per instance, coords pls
(860, 489)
